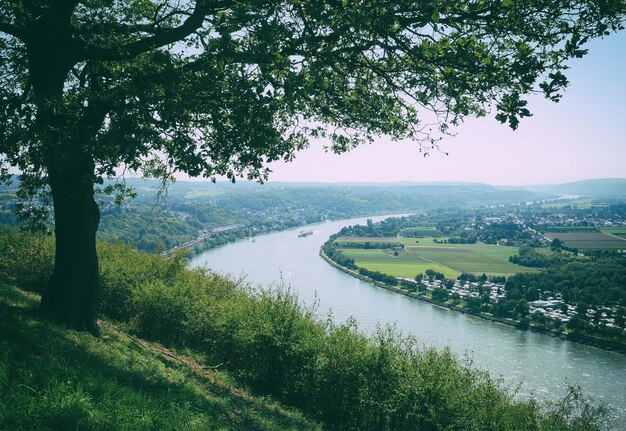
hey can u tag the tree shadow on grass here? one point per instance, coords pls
(61, 379)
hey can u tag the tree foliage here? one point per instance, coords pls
(218, 87)
(222, 87)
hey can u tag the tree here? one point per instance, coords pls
(440, 295)
(581, 308)
(577, 324)
(556, 244)
(221, 87)
(473, 303)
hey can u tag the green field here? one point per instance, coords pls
(617, 231)
(583, 203)
(403, 265)
(449, 259)
(590, 240)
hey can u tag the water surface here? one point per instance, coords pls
(543, 365)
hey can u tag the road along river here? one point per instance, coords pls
(543, 365)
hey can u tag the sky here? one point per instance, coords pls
(581, 137)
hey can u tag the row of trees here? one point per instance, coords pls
(334, 254)
(366, 245)
(379, 276)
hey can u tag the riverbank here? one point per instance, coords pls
(219, 238)
(536, 363)
(314, 370)
(577, 338)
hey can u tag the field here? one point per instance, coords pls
(403, 265)
(583, 203)
(590, 240)
(617, 231)
(424, 253)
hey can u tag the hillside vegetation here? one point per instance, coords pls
(194, 207)
(55, 379)
(265, 340)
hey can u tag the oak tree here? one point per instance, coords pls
(222, 87)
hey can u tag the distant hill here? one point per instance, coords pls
(250, 208)
(11, 186)
(600, 188)
(399, 195)
(597, 188)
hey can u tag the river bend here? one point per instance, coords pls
(542, 364)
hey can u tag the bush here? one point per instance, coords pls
(26, 260)
(270, 342)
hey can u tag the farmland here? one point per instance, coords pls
(590, 240)
(424, 253)
(617, 231)
(579, 203)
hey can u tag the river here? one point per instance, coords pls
(540, 364)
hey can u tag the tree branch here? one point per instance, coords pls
(11, 30)
(158, 39)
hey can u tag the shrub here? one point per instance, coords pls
(26, 260)
(270, 342)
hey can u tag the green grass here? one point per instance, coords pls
(403, 265)
(55, 379)
(423, 242)
(620, 230)
(449, 259)
(267, 342)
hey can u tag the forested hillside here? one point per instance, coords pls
(192, 208)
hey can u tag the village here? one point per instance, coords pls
(553, 306)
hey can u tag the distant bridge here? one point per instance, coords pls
(203, 235)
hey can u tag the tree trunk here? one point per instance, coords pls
(72, 294)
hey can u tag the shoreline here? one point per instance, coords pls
(190, 252)
(576, 338)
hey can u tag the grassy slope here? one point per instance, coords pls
(55, 379)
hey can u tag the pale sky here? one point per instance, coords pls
(581, 137)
